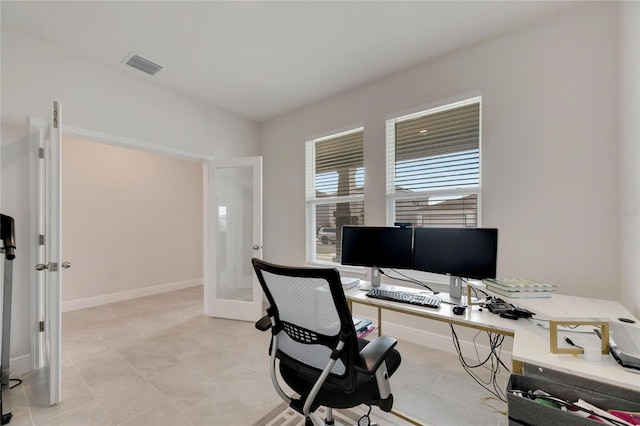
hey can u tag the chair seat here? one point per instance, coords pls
(365, 390)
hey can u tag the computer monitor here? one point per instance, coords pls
(376, 247)
(457, 252)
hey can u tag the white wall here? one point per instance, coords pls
(132, 220)
(552, 162)
(550, 155)
(99, 99)
(629, 207)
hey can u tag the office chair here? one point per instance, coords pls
(314, 339)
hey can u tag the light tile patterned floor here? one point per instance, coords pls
(158, 360)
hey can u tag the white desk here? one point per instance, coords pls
(472, 318)
(531, 342)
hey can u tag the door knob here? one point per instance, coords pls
(52, 266)
(257, 247)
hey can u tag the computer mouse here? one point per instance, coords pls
(459, 310)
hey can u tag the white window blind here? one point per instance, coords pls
(334, 192)
(433, 166)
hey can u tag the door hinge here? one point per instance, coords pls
(55, 115)
(40, 240)
(41, 326)
(40, 152)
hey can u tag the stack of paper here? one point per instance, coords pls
(349, 282)
(519, 288)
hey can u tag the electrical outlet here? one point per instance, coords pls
(114, 274)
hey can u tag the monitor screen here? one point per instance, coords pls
(460, 252)
(376, 246)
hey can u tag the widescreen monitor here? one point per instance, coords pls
(457, 252)
(376, 247)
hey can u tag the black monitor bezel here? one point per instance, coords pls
(442, 236)
(383, 260)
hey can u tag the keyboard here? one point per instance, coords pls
(418, 299)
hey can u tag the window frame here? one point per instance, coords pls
(390, 140)
(312, 201)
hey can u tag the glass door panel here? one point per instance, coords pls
(234, 237)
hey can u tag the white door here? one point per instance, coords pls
(48, 262)
(234, 225)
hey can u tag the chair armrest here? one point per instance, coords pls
(375, 352)
(264, 323)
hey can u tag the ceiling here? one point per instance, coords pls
(261, 59)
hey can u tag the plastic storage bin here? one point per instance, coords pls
(525, 411)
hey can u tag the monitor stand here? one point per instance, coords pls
(375, 280)
(454, 297)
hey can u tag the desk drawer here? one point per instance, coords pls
(524, 411)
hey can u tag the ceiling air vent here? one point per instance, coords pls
(144, 65)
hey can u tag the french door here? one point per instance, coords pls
(234, 214)
(234, 221)
(47, 282)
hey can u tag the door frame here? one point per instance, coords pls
(35, 127)
(214, 305)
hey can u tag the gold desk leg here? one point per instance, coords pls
(406, 418)
(517, 367)
(470, 301)
(553, 336)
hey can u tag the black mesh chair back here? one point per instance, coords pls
(314, 341)
(311, 317)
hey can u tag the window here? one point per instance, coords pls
(433, 166)
(334, 192)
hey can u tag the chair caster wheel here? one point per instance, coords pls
(364, 421)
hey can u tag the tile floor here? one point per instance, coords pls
(158, 360)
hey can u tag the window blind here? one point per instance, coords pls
(337, 162)
(444, 211)
(443, 132)
(433, 166)
(335, 193)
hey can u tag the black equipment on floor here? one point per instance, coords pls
(8, 237)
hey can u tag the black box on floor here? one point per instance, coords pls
(525, 411)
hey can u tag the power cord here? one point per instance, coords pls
(408, 279)
(492, 362)
(476, 290)
(365, 420)
(484, 401)
(569, 341)
(17, 384)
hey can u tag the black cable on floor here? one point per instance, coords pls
(493, 359)
(17, 384)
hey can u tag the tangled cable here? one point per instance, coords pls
(492, 362)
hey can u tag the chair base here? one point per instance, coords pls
(314, 419)
(321, 422)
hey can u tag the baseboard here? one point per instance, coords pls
(89, 302)
(19, 365)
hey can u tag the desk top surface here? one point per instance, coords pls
(531, 337)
